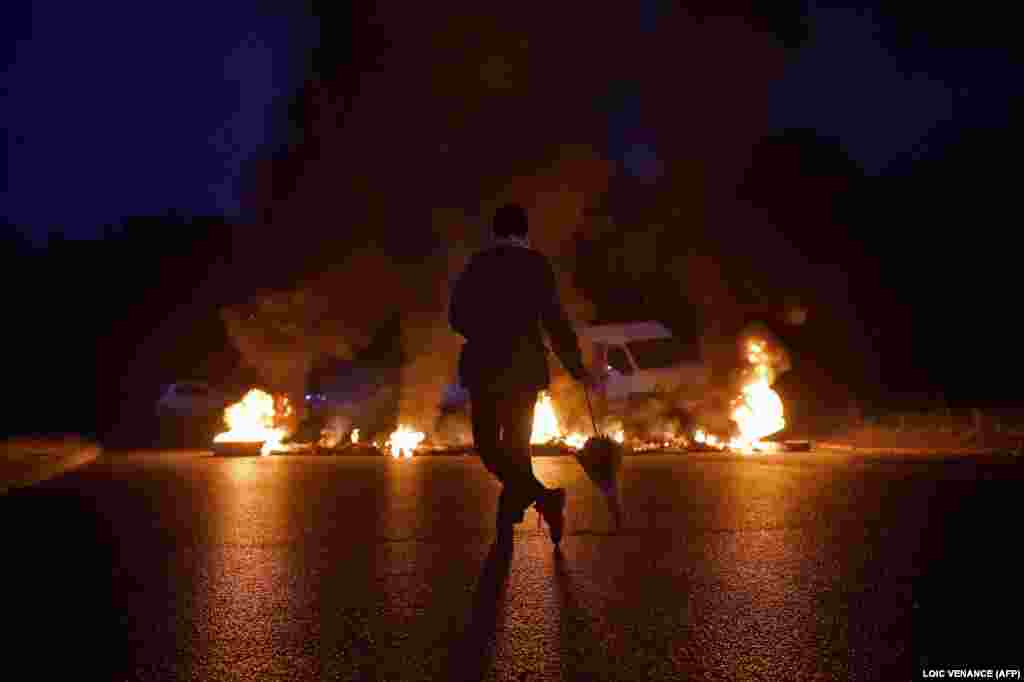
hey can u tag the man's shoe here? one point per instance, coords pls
(507, 513)
(551, 507)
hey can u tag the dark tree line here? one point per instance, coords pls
(98, 324)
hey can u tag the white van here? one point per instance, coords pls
(638, 359)
(641, 358)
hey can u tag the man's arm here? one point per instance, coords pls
(556, 323)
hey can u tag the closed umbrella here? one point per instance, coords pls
(601, 459)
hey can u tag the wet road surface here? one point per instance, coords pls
(185, 566)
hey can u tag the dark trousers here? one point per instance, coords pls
(502, 424)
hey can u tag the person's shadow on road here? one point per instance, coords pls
(582, 654)
(58, 581)
(471, 655)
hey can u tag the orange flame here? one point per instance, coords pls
(575, 440)
(404, 441)
(709, 439)
(545, 422)
(758, 411)
(546, 428)
(251, 420)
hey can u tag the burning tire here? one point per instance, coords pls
(238, 449)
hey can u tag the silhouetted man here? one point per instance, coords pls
(499, 304)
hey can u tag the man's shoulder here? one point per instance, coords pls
(504, 252)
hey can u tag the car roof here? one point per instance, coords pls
(624, 332)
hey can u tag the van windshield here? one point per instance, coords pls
(655, 353)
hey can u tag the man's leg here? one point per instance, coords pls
(515, 416)
(486, 432)
(488, 445)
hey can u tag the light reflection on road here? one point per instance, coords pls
(247, 614)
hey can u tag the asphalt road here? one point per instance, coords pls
(184, 566)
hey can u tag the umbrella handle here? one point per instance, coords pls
(587, 394)
(590, 408)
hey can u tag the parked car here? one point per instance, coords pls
(190, 413)
(191, 399)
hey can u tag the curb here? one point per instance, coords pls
(52, 467)
(873, 450)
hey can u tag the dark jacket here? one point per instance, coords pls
(499, 303)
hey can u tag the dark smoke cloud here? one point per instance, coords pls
(556, 198)
(338, 311)
(469, 108)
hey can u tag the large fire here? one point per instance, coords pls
(253, 420)
(545, 422)
(404, 441)
(758, 414)
(757, 411)
(546, 427)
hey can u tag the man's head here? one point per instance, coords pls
(511, 221)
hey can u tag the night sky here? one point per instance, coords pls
(921, 100)
(125, 109)
(892, 96)
(128, 110)
(118, 120)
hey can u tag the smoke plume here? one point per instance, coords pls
(467, 109)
